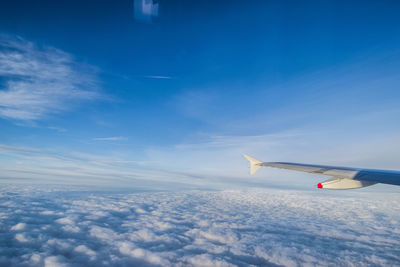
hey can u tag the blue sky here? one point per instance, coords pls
(91, 93)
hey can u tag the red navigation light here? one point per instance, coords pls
(320, 185)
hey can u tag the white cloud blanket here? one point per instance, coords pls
(76, 227)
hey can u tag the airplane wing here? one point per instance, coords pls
(341, 177)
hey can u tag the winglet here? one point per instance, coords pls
(255, 164)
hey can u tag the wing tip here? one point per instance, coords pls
(255, 164)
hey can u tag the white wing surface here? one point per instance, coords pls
(341, 177)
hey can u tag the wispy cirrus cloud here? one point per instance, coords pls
(158, 77)
(58, 129)
(112, 138)
(41, 80)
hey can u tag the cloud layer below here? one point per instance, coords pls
(74, 226)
